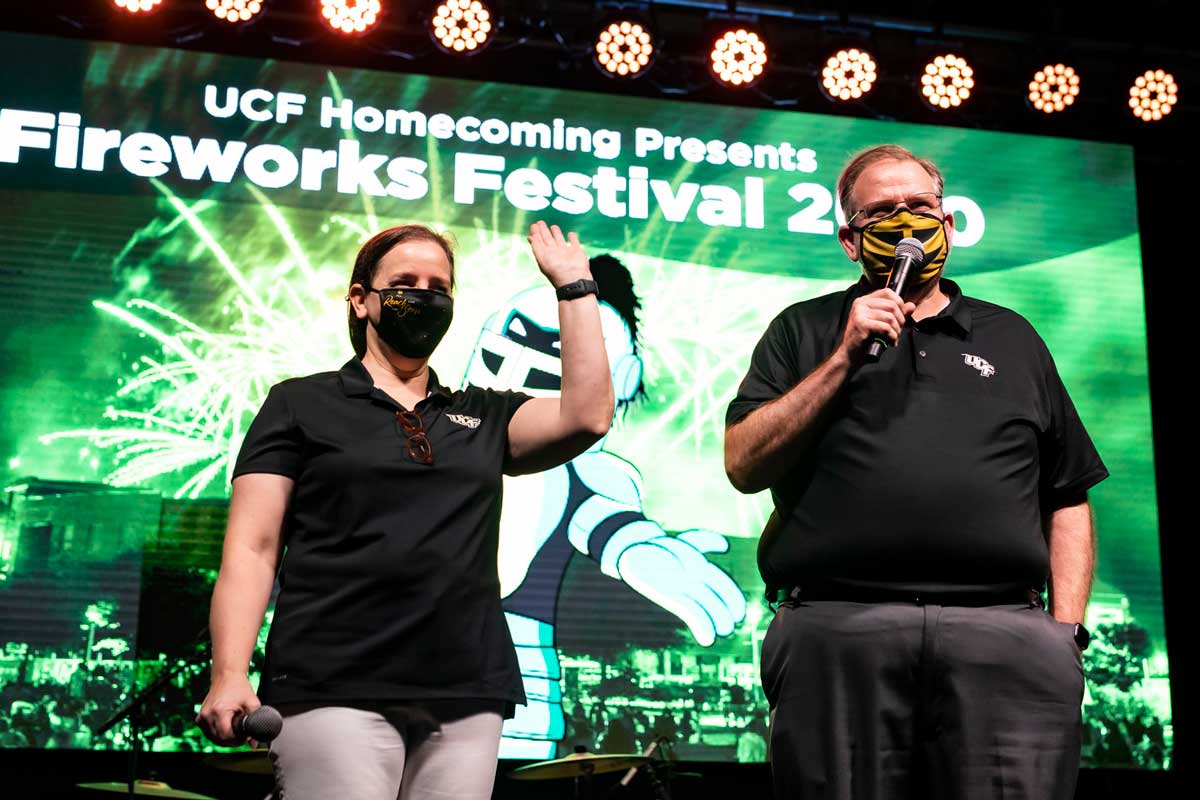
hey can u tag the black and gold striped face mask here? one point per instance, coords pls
(879, 240)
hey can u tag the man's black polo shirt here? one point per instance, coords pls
(388, 585)
(937, 463)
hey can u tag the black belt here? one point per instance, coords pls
(886, 594)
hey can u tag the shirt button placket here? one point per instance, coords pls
(920, 353)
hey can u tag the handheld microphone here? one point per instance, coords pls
(262, 724)
(909, 253)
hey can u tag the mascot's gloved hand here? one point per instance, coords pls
(673, 573)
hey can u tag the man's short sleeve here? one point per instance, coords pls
(273, 443)
(774, 369)
(1070, 464)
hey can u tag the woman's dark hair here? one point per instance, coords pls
(615, 284)
(366, 264)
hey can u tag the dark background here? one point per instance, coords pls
(547, 43)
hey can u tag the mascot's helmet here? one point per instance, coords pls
(519, 348)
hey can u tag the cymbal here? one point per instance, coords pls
(577, 765)
(144, 789)
(252, 762)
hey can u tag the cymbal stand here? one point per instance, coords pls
(135, 706)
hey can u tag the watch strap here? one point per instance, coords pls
(574, 289)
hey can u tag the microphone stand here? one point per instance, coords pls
(133, 708)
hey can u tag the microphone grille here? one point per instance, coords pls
(912, 248)
(262, 724)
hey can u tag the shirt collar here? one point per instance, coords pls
(956, 313)
(357, 382)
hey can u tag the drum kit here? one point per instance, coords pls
(656, 763)
(581, 765)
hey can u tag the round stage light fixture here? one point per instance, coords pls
(235, 11)
(848, 74)
(738, 57)
(1153, 95)
(947, 81)
(1053, 88)
(137, 6)
(623, 49)
(351, 17)
(461, 27)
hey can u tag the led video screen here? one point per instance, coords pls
(177, 235)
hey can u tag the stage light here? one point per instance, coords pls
(848, 74)
(235, 10)
(738, 57)
(137, 6)
(1053, 88)
(947, 81)
(1153, 95)
(623, 49)
(461, 26)
(351, 16)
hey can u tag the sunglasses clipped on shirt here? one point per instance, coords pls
(417, 443)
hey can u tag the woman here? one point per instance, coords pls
(389, 655)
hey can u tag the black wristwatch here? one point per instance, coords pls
(579, 288)
(1082, 637)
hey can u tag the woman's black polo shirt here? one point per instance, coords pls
(938, 462)
(388, 586)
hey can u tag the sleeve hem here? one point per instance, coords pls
(743, 409)
(264, 469)
(1058, 497)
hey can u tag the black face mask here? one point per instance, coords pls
(413, 321)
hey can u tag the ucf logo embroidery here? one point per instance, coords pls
(465, 421)
(985, 369)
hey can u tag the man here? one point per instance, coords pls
(921, 504)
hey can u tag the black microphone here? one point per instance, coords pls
(262, 724)
(909, 253)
